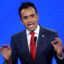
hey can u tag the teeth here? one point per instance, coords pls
(30, 25)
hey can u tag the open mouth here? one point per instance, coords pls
(31, 25)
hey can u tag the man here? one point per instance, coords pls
(35, 45)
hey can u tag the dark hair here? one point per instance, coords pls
(26, 5)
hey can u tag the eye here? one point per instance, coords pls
(25, 17)
(33, 15)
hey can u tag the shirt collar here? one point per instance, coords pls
(36, 30)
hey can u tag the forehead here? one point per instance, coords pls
(28, 11)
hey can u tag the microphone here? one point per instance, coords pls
(35, 39)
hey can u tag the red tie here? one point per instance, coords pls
(32, 46)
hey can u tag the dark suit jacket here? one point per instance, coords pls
(44, 51)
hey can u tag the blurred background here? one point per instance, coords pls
(51, 15)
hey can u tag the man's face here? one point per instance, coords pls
(29, 18)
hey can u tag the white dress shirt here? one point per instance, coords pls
(35, 35)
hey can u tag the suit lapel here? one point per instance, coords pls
(41, 40)
(24, 40)
(25, 45)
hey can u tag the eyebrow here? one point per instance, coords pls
(29, 15)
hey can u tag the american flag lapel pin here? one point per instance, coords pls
(43, 36)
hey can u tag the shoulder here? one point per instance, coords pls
(18, 34)
(48, 31)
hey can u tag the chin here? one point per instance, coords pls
(32, 29)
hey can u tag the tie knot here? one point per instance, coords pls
(32, 33)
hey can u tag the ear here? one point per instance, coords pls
(37, 16)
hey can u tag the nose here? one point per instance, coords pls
(29, 19)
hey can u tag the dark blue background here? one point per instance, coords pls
(51, 15)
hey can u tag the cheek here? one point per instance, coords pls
(25, 23)
(34, 20)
